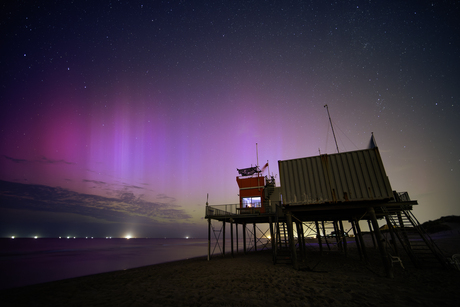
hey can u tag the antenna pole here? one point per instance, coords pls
(257, 156)
(333, 133)
(257, 166)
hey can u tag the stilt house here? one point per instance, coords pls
(318, 191)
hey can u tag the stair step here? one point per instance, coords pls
(413, 237)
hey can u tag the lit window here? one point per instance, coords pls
(251, 202)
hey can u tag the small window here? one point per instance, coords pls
(251, 202)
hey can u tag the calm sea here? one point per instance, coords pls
(31, 261)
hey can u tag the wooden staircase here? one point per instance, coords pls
(416, 242)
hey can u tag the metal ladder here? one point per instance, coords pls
(282, 253)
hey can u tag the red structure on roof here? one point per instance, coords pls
(251, 193)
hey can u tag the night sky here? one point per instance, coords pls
(119, 117)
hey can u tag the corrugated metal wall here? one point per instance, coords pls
(343, 177)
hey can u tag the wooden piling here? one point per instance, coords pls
(379, 238)
(372, 233)
(318, 236)
(223, 238)
(337, 239)
(236, 230)
(244, 238)
(392, 234)
(360, 235)
(231, 237)
(343, 238)
(302, 240)
(209, 239)
(291, 240)
(325, 236)
(358, 243)
(272, 239)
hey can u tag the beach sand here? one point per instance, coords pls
(334, 279)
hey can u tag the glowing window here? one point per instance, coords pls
(251, 202)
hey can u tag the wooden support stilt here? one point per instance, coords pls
(393, 237)
(291, 240)
(360, 235)
(276, 239)
(318, 235)
(255, 236)
(337, 238)
(223, 238)
(272, 239)
(236, 230)
(209, 239)
(371, 231)
(231, 237)
(299, 238)
(302, 240)
(379, 238)
(342, 237)
(358, 243)
(325, 236)
(244, 238)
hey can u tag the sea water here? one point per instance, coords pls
(32, 261)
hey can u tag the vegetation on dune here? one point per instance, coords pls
(441, 224)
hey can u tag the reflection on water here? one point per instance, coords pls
(31, 261)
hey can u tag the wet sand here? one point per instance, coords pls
(334, 279)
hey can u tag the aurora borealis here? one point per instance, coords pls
(132, 111)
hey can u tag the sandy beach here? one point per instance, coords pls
(334, 279)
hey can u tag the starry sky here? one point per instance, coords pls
(120, 116)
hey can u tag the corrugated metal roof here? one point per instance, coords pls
(343, 177)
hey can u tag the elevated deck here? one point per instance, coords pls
(232, 212)
(344, 211)
(285, 233)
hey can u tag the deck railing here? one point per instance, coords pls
(401, 196)
(219, 210)
(230, 209)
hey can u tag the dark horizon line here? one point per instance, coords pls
(89, 238)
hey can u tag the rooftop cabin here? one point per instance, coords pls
(349, 186)
(255, 191)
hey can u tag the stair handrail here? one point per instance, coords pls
(427, 238)
(400, 232)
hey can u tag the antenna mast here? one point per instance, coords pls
(257, 166)
(333, 133)
(257, 155)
